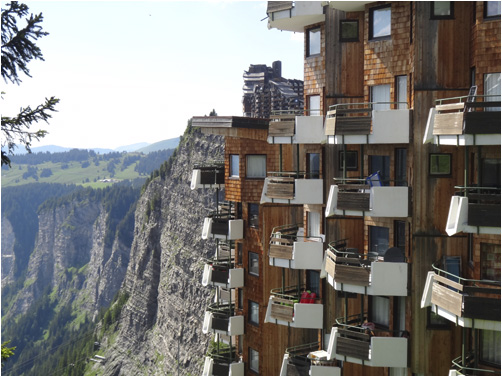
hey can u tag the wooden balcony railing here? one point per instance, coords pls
(353, 118)
(281, 241)
(484, 205)
(470, 298)
(467, 115)
(284, 299)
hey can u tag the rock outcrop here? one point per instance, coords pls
(160, 327)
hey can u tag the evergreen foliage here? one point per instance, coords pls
(18, 49)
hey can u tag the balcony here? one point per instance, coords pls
(222, 226)
(364, 197)
(367, 274)
(294, 15)
(359, 123)
(221, 360)
(462, 121)
(477, 211)
(289, 248)
(299, 362)
(466, 366)
(288, 127)
(222, 274)
(358, 342)
(466, 302)
(287, 307)
(219, 318)
(211, 175)
(291, 188)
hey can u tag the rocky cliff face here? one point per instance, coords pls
(70, 261)
(160, 327)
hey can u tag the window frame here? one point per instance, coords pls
(254, 314)
(251, 257)
(314, 112)
(308, 49)
(248, 157)
(398, 92)
(387, 303)
(231, 165)
(371, 235)
(371, 35)
(349, 39)
(351, 155)
(486, 16)
(254, 222)
(440, 174)
(253, 355)
(449, 16)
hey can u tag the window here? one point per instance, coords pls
(313, 282)
(492, 9)
(315, 105)
(239, 253)
(492, 89)
(402, 92)
(240, 299)
(380, 18)
(314, 223)
(490, 261)
(441, 10)
(314, 42)
(379, 239)
(256, 166)
(349, 31)
(490, 347)
(253, 313)
(254, 360)
(380, 96)
(350, 162)
(254, 264)
(400, 235)
(313, 165)
(253, 215)
(381, 164)
(400, 169)
(380, 311)
(490, 172)
(234, 165)
(440, 164)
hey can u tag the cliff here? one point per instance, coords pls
(160, 327)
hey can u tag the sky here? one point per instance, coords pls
(136, 71)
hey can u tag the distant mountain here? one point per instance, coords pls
(161, 145)
(132, 147)
(43, 149)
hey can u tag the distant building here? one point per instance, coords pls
(266, 91)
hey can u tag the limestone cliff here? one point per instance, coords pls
(160, 327)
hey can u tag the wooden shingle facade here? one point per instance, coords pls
(408, 171)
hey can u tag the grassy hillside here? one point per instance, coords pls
(97, 171)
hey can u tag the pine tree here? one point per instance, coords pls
(18, 49)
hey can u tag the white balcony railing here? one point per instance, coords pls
(360, 200)
(287, 309)
(222, 276)
(465, 302)
(354, 344)
(474, 213)
(360, 124)
(294, 15)
(293, 129)
(223, 324)
(463, 121)
(284, 187)
(364, 274)
(289, 248)
(222, 228)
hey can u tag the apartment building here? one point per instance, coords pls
(369, 222)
